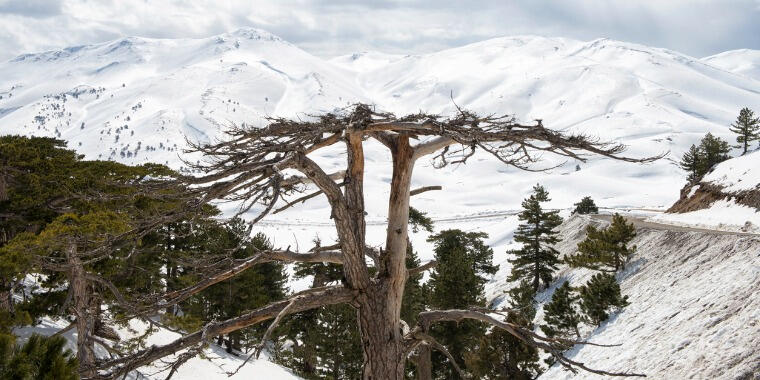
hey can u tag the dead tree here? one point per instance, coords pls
(262, 166)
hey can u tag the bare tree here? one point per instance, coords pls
(252, 167)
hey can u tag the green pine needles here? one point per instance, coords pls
(40, 358)
(598, 296)
(586, 206)
(537, 260)
(747, 126)
(605, 249)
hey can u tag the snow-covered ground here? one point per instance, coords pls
(742, 61)
(136, 100)
(693, 312)
(214, 363)
(735, 176)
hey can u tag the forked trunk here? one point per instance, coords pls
(380, 307)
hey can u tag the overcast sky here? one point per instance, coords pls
(332, 27)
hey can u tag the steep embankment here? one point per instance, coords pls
(728, 196)
(694, 311)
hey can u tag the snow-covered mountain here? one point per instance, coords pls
(742, 61)
(136, 100)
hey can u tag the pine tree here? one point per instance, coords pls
(607, 249)
(500, 355)
(561, 315)
(419, 220)
(537, 260)
(714, 150)
(251, 289)
(464, 262)
(692, 163)
(600, 294)
(522, 300)
(40, 358)
(747, 126)
(586, 206)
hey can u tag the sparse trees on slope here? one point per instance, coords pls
(607, 249)
(537, 260)
(601, 293)
(714, 151)
(698, 160)
(585, 206)
(255, 166)
(747, 126)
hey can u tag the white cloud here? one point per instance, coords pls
(331, 27)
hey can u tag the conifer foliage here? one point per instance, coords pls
(561, 314)
(586, 206)
(40, 358)
(747, 126)
(537, 260)
(598, 296)
(691, 162)
(500, 355)
(464, 264)
(605, 249)
(698, 160)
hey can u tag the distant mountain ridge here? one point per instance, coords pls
(138, 99)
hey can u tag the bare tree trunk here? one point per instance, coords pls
(380, 308)
(84, 312)
(424, 363)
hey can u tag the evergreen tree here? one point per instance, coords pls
(607, 249)
(714, 150)
(537, 260)
(600, 294)
(522, 300)
(698, 160)
(419, 220)
(747, 126)
(326, 343)
(692, 163)
(500, 355)
(40, 358)
(561, 315)
(464, 262)
(586, 206)
(249, 290)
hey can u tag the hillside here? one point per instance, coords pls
(693, 312)
(136, 100)
(742, 61)
(727, 198)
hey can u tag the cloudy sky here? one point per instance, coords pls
(333, 27)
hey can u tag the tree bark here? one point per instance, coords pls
(83, 309)
(424, 363)
(380, 307)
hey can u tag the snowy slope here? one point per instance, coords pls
(742, 61)
(154, 93)
(727, 198)
(693, 312)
